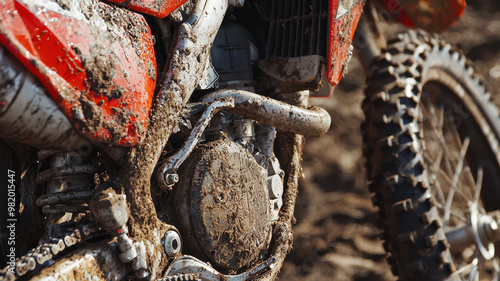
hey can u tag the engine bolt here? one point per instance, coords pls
(171, 179)
(171, 243)
(275, 186)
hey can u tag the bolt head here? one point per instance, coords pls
(171, 179)
(172, 243)
(143, 274)
(275, 186)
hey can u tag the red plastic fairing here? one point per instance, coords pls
(430, 15)
(96, 61)
(343, 23)
(157, 8)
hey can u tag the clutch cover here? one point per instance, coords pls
(222, 202)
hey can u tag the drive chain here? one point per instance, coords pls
(182, 277)
(46, 251)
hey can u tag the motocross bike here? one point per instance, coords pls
(162, 139)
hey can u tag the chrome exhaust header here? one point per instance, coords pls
(312, 121)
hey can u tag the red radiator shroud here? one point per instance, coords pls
(344, 18)
(101, 72)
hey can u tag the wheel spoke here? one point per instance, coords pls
(431, 110)
(446, 181)
(445, 177)
(458, 170)
(455, 129)
(437, 128)
(496, 270)
(438, 131)
(440, 193)
(469, 181)
(479, 184)
(438, 160)
(466, 268)
(441, 118)
(474, 274)
(458, 216)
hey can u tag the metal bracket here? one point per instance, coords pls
(167, 172)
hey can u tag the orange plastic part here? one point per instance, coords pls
(429, 15)
(68, 52)
(343, 24)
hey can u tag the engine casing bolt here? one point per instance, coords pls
(172, 243)
(275, 186)
(171, 179)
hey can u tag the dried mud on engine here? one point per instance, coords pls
(228, 199)
(335, 237)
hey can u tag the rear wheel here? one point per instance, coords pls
(431, 143)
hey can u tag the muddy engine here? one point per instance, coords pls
(229, 194)
(230, 188)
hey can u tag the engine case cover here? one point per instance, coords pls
(223, 204)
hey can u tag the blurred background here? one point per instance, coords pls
(335, 237)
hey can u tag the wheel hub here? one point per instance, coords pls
(481, 230)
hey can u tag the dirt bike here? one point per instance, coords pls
(134, 144)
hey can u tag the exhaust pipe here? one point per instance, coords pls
(312, 121)
(27, 112)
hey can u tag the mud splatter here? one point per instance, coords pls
(100, 70)
(228, 203)
(92, 114)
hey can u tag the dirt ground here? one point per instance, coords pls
(336, 237)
